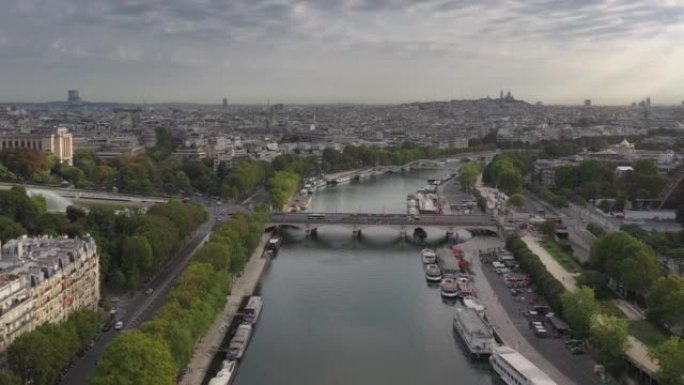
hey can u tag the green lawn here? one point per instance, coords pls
(646, 332)
(607, 307)
(566, 260)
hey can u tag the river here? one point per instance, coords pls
(342, 311)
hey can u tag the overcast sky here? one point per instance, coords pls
(371, 51)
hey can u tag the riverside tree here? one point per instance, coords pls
(665, 300)
(578, 308)
(468, 174)
(625, 259)
(40, 355)
(281, 187)
(516, 200)
(670, 356)
(197, 297)
(609, 337)
(135, 358)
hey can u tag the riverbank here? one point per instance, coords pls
(243, 286)
(499, 317)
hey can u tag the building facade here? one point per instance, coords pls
(59, 143)
(44, 280)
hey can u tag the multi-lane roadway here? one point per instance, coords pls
(139, 307)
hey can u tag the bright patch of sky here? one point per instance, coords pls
(370, 51)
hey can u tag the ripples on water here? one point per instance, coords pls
(345, 311)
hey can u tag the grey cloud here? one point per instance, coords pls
(201, 33)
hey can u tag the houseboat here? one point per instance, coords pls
(476, 334)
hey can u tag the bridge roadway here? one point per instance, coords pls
(356, 221)
(73, 193)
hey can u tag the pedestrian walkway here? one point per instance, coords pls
(566, 279)
(636, 352)
(631, 312)
(501, 322)
(207, 347)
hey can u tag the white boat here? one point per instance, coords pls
(428, 255)
(514, 369)
(476, 334)
(465, 289)
(432, 273)
(225, 375)
(340, 180)
(448, 288)
(274, 243)
(239, 343)
(472, 303)
(252, 310)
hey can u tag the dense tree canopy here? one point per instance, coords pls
(133, 247)
(468, 174)
(666, 301)
(197, 296)
(506, 171)
(281, 187)
(578, 308)
(40, 355)
(593, 179)
(10, 229)
(626, 259)
(546, 284)
(516, 200)
(670, 356)
(135, 358)
(609, 338)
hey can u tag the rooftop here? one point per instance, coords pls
(524, 366)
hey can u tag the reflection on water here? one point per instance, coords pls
(344, 311)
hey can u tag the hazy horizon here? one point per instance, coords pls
(613, 52)
(272, 102)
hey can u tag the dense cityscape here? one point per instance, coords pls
(198, 192)
(573, 176)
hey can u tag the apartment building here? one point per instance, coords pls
(43, 280)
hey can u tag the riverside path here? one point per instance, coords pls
(207, 347)
(499, 318)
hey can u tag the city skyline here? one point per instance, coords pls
(354, 51)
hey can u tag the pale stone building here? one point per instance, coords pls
(43, 280)
(59, 143)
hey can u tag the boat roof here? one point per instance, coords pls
(470, 303)
(253, 301)
(471, 320)
(526, 368)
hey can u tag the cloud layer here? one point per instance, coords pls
(613, 51)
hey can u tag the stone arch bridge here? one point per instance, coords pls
(310, 222)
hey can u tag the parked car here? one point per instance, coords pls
(118, 325)
(540, 331)
(577, 350)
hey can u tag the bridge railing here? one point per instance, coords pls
(388, 219)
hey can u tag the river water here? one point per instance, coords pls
(345, 311)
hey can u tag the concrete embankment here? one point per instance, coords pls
(243, 286)
(501, 321)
